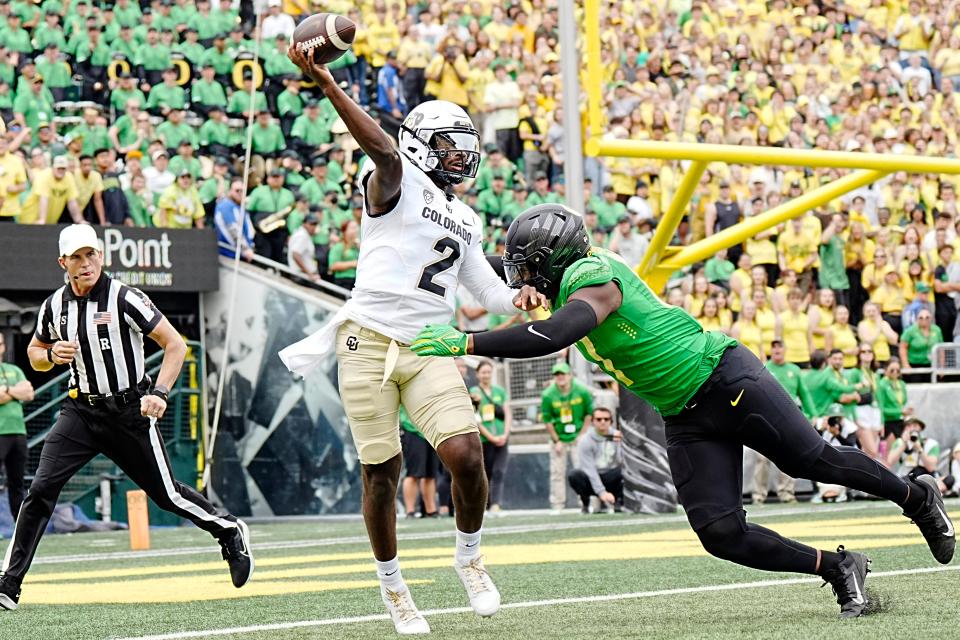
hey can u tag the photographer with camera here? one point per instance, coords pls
(913, 454)
(599, 473)
(839, 433)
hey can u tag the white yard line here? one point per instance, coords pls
(736, 586)
(547, 525)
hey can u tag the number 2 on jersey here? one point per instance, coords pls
(442, 246)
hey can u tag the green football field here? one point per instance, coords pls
(569, 576)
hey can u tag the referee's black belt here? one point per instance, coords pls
(120, 399)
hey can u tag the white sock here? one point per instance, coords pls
(468, 546)
(389, 574)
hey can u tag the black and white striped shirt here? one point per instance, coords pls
(109, 324)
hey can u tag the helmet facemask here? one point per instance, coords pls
(523, 270)
(454, 154)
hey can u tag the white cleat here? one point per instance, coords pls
(484, 597)
(405, 615)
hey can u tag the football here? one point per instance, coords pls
(326, 36)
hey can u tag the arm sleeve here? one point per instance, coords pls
(587, 450)
(482, 281)
(587, 402)
(541, 337)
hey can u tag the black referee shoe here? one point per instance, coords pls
(933, 521)
(9, 593)
(237, 553)
(848, 581)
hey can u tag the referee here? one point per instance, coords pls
(95, 325)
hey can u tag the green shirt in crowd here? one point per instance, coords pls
(488, 409)
(119, 97)
(550, 198)
(790, 378)
(208, 93)
(289, 104)
(95, 137)
(340, 253)
(222, 62)
(173, 134)
(191, 51)
(566, 411)
(485, 175)
(919, 345)
(126, 130)
(833, 266)
(826, 386)
(139, 211)
(213, 132)
(268, 140)
(35, 108)
(490, 204)
(658, 351)
(892, 398)
(205, 25)
(719, 269)
(263, 199)
(44, 36)
(154, 57)
(11, 413)
(312, 132)
(178, 163)
(128, 16)
(17, 40)
(276, 63)
(162, 95)
(240, 102)
(56, 74)
(609, 212)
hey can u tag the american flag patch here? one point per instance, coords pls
(102, 317)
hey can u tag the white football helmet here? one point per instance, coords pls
(436, 129)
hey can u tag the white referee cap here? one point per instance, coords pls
(76, 237)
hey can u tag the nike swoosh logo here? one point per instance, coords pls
(469, 546)
(537, 333)
(734, 403)
(949, 533)
(387, 575)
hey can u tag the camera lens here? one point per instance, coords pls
(914, 437)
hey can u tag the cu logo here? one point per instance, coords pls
(352, 343)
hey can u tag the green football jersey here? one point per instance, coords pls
(656, 350)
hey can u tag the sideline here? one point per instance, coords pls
(736, 586)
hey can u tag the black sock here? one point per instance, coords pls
(853, 468)
(829, 560)
(732, 538)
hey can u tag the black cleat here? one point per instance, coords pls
(237, 553)
(848, 581)
(9, 593)
(933, 521)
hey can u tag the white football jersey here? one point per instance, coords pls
(412, 258)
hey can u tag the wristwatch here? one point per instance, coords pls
(50, 355)
(160, 391)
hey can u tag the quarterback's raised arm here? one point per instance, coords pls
(383, 184)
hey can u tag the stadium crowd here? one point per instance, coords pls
(135, 113)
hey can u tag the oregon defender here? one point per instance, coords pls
(714, 394)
